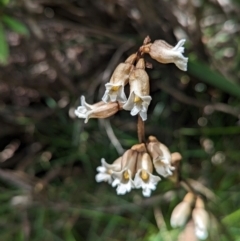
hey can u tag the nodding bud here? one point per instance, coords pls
(182, 211)
(201, 219)
(99, 110)
(120, 77)
(165, 53)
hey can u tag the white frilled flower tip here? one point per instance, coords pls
(139, 98)
(161, 157)
(114, 92)
(106, 170)
(201, 221)
(120, 77)
(98, 110)
(123, 179)
(144, 178)
(165, 53)
(138, 104)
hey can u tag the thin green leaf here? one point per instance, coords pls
(15, 25)
(4, 50)
(204, 73)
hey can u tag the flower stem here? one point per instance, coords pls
(141, 130)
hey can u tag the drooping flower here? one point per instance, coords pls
(165, 53)
(123, 179)
(139, 98)
(144, 178)
(161, 157)
(115, 87)
(98, 110)
(182, 211)
(201, 219)
(106, 170)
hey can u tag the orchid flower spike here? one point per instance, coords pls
(139, 98)
(144, 178)
(115, 87)
(165, 53)
(106, 170)
(98, 110)
(161, 157)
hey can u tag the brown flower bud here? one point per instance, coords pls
(139, 98)
(120, 77)
(98, 110)
(161, 157)
(165, 53)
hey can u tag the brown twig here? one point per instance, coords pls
(178, 95)
(141, 130)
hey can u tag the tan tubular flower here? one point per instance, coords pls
(201, 220)
(98, 110)
(165, 53)
(144, 178)
(161, 157)
(106, 170)
(139, 98)
(182, 211)
(115, 87)
(123, 179)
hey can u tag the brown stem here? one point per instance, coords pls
(141, 130)
(187, 186)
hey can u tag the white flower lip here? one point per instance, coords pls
(123, 184)
(181, 61)
(114, 92)
(84, 111)
(140, 107)
(147, 185)
(163, 167)
(105, 171)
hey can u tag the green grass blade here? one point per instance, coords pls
(205, 74)
(15, 25)
(4, 50)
